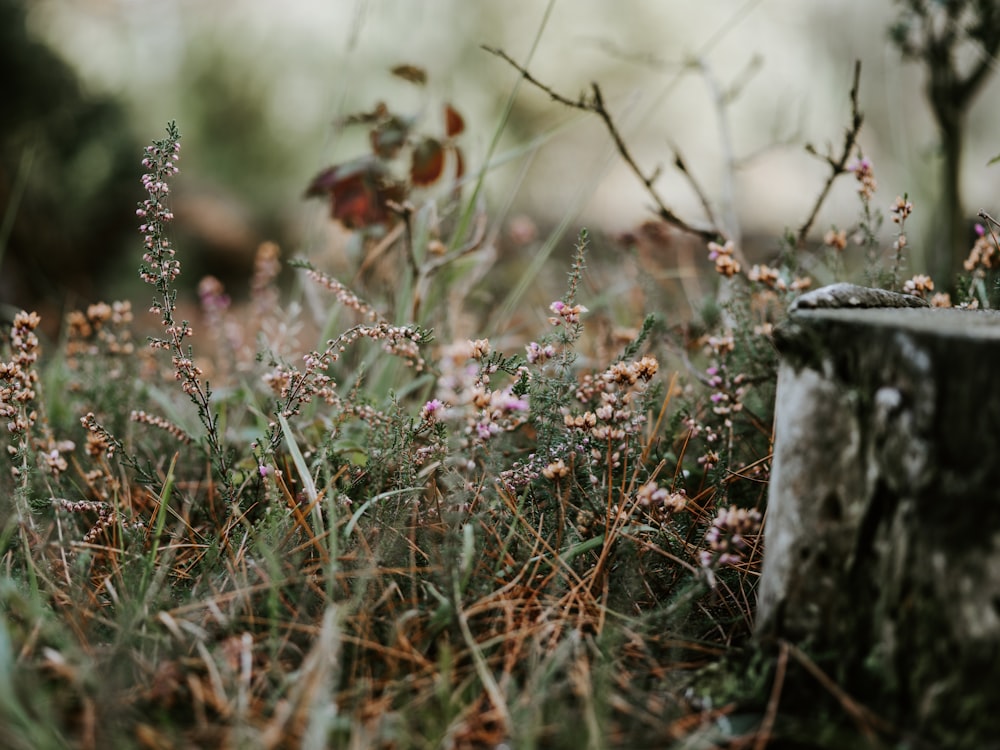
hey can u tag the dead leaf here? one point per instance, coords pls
(411, 73)
(428, 162)
(454, 123)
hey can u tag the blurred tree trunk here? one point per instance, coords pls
(938, 35)
(953, 239)
(950, 96)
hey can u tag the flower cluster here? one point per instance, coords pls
(107, 518)
(590, 439)
(483, 409)
(565, 313)
(19, 380)
(984, 254)
(19, 398)
(728, 392)
(660, 502)
(52, 452)
(99, 439)
(431, 410)
(709, 457)
(98, 442)
(556, 470)
(722, 345)
(188, 373)
(920, 285)
(611, 394)
(550, 464)
(479, 349)
(836, 238)
(769, 277)
(539, 354)
(727, 536)
(496, 411)
(400, 341)
(161, 268)
(601, 434)
(344, 295)
(773, 279)
(458, 373)
(100, 329)
(295, 387)
(725, 263)
(167, 426)
(865, 175)
(901, 210)
(215, 303)
(729, 387)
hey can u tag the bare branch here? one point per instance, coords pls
(578, 104)
(838, 165)
(595, 105)
(706, 204)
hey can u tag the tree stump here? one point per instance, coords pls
(882, 541)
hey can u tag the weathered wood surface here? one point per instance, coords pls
(883, 524)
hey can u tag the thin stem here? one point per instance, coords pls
(838, 165)
(595, 104)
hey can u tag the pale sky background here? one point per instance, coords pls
(296, 66)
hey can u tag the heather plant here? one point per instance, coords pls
(270, 529)
(979, 285)
(492, 511)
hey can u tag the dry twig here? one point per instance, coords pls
(595, 104)
(838, 165)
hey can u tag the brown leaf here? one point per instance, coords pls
(358, 191)
(428, 162)
(454, 123)
(411, 73)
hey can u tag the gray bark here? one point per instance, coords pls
(883, 525)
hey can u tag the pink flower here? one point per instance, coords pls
(429, 412)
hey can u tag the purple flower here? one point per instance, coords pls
(513, 403)
(861, 165)
(431, 408)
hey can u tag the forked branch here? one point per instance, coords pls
(595, 104)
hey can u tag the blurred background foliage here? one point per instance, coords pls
(257, 87)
